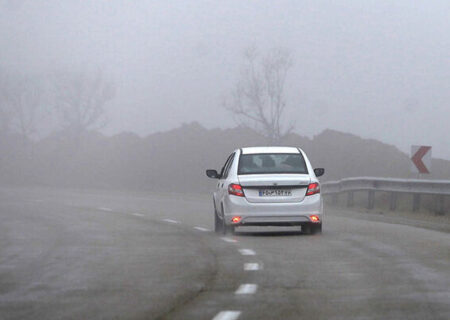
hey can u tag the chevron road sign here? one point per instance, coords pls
(421, 159)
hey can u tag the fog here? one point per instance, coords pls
(126, 190)
(378, 69)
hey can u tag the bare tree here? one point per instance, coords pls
(257, 100)
(27, 108)
(5, 118)
(20, 102)
(5, 104)
(80, 99)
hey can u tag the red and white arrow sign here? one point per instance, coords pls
(421, 159)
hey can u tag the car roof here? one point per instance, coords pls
(254, 150)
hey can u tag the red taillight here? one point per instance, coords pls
(313, 188)
(314, 218)
(236, 190)
(236, 219)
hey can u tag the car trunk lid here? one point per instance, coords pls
(273, 188)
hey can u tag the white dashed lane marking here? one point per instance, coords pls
(247, 252)
(201, 229)
(170, 221)
(248, 288)
(229, 240)
(252, 267)
(137, 214)
(227, 315)
(105, 209)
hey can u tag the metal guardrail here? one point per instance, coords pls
(416, 187)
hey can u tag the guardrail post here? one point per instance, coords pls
(440, 202)
(416, 202)
(371, 200)
(393, 201)
(350, 200)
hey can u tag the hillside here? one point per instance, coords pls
(176, 160)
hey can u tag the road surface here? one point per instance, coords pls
(115, 255)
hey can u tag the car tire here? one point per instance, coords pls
(226, 228)
(317, 228)
(217, 223)
(311, 228)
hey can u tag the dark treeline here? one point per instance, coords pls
(176, 160)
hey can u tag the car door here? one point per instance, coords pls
(222, 185)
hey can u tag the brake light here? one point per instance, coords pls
(236, 219)
(313, 188)
(314, 218)
(236, 190)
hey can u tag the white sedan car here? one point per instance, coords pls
(267, 186)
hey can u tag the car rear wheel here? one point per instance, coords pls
(217, 222)
(316, 228)
(226, 228)
(312, 228)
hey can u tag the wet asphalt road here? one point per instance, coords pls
(112, 255)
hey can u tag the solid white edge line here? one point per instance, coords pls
(247, 252)
(227, 315)
(252, 266)
(247, 288)
(105, 209)
(229, 240)
(170, 221)
(201, 229)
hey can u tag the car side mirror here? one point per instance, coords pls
(319, 172)
(213, 174)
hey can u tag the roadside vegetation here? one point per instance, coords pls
(175, 160)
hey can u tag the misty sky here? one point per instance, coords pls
(379, 69)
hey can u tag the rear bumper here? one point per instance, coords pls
(272, 214)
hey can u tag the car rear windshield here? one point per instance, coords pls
(266, 163)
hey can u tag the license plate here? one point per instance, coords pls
(275, 193)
